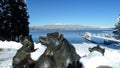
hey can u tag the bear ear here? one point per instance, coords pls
(48, 34)
(104, 49)
(61, 37)
(21, 38)
(56, 34)
(90, 49)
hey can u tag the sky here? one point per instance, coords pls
(96, 13)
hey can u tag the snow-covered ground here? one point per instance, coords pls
(89, 60)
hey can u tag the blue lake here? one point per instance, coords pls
(73, 36)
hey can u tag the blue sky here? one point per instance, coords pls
(97, 13)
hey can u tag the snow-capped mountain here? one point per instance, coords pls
(65, 27)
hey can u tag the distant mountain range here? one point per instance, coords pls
(66, 27)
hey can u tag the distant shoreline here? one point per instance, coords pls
(67, 27)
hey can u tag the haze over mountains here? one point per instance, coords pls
(66, 27)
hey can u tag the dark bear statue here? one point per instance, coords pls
(97, 48)
(22, 59)
(59, 53)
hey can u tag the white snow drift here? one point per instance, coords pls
(89, 60)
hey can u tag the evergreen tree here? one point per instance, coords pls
(5, 17)
(117, 29)
(13, 19)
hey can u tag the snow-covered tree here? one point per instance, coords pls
(13, 19)
(116, 30)
(19, 18)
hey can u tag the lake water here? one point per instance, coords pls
(73, 36)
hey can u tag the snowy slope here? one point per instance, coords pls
(89, 60)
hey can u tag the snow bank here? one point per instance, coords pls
(89, 60)
(10, 44)
(95, 59)
(40, 49)
(82, 49)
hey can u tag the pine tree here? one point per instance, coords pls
(13, 19)
(5, 17)
(117, 29)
